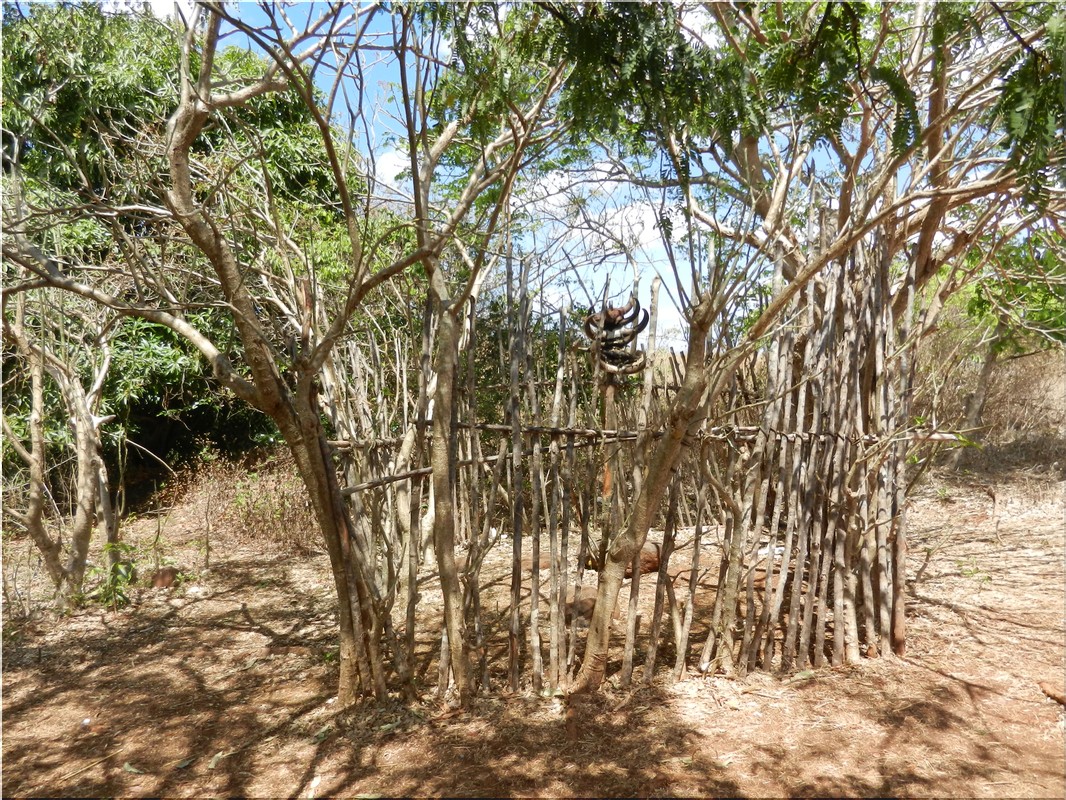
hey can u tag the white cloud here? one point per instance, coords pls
(160, 9)
(166, 9)
(388, 166)
(635, 224)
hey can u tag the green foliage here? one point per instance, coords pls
(907, 128)
(1032, 107)
(277, 131)
(811, 72)
(99, 84)
(114, 581)
(165, 397)
(79, 79)
(86, 96)
(637, 75)
(497, 60)
(149, 361)
(1025, 290)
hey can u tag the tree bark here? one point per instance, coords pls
(443, 459)
(684, 412)
(295, 413)
(89, 481)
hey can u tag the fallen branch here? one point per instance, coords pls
(90, 765)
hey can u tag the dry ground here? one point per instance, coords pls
(223, 686)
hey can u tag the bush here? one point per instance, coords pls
(270, 504)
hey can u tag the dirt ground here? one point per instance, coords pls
(223, 686)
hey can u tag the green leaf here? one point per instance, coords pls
(907, 129)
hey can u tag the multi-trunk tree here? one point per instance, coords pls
(812, 167)
(226, 203)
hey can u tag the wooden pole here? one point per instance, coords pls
(517, 352)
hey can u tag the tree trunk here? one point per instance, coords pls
(88, 481)
(360, 672)
(34, 518)
(684, 411)
(443, 460)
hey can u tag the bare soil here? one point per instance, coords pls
(224, 684)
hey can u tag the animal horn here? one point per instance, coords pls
(643, 323)
(626, 369)
(630, 310)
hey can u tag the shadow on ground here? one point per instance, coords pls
(224, 688)
(180, 687)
